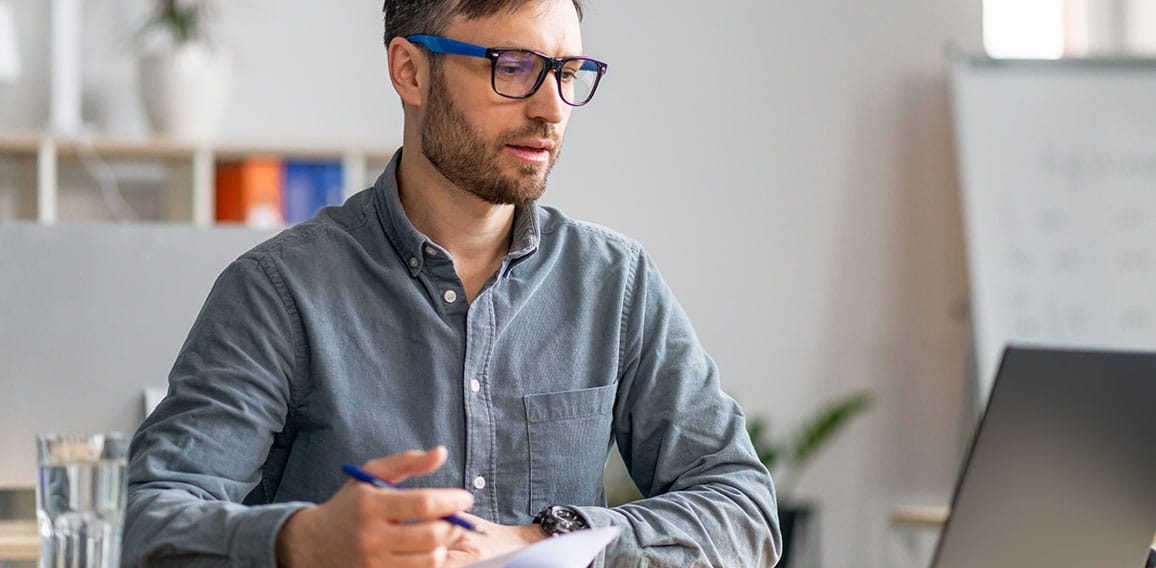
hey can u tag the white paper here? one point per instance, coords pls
(574, 550)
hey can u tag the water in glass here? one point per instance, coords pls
(80, 502)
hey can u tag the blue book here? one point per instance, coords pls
(331, 177)
(309, 186)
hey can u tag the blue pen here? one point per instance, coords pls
(366, 477)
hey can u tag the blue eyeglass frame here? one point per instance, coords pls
(438, 44)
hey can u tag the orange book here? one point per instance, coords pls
(249, 192)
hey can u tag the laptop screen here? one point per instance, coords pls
(1062, 470)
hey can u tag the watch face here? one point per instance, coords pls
(566, 514)
(560, 519)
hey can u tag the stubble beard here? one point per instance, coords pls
(472, 163)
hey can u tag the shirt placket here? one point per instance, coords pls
(480, 427)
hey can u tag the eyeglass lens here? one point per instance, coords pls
(516, 73)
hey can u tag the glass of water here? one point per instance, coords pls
(80, 499)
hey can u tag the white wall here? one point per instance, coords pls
(1117, 27)
(789, 165)
(307, 72)
(1140, 27)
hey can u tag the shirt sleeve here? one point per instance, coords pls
(200, 453)
(708, 500)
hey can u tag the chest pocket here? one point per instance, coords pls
(569, 439)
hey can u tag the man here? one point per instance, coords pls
(444, 309)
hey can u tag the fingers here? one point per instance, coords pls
(365, 525)
(404, 526)
(435, 557)
(422, 537)
(400, 466)
(417, 504)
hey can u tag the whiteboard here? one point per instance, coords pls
(1058, 164)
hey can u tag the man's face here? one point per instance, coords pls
(497, 148)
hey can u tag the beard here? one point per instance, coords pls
(474, 164)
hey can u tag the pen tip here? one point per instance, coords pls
(479, 530)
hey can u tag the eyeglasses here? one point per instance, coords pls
(518, 73)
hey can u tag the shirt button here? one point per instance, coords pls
(431, 251)
(475, 385)
(479, 482)
(413, 262)
(450, 296)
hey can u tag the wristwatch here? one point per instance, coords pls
(560, 519)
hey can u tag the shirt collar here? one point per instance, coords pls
(410, 243)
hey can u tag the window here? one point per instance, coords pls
(1024, 28)
(1049, 29)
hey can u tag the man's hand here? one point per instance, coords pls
(362, 525)
(498, 540)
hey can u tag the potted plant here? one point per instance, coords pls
(787, 459)
(185, 77)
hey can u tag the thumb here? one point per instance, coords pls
(403, 465)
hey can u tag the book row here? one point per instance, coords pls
(268, 193)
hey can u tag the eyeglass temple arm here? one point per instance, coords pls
(446, 45)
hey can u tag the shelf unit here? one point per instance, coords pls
(48, 150)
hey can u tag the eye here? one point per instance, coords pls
(570, 71)
(513, 65)
(509, 69)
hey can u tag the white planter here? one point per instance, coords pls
(185, 91)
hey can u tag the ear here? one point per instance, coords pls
(408, 71)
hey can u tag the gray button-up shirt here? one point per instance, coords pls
(349, 337)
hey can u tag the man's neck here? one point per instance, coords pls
(476, 233)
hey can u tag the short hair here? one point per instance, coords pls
(408, 17)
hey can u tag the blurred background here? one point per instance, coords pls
(791, 166)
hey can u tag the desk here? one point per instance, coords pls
(919, 517)
(19, 541)
(928, 518)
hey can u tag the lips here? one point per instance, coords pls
(532, 151)
(542, 145)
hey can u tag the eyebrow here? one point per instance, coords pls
(506, 44)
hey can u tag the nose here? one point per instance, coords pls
(547, 104)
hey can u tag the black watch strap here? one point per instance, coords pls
(560, 519)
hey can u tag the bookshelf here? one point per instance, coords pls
(195, 200)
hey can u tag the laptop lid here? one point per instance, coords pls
(1062, 470)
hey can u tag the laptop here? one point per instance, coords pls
(1062, 470)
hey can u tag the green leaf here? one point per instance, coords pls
(816, 433)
